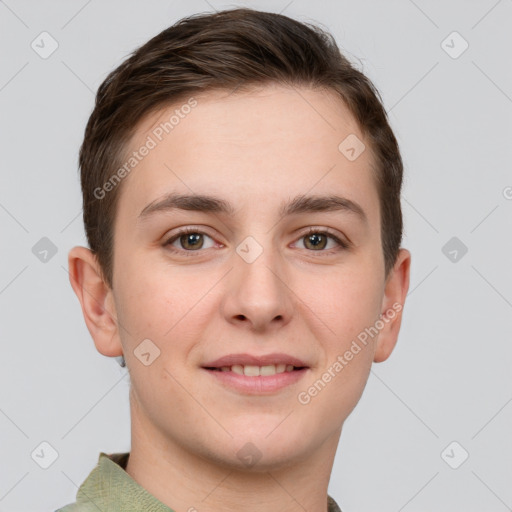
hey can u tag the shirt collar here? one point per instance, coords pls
(110, 488)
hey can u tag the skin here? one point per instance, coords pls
(254, 149)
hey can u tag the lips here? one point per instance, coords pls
(250, 360)
(256, 375)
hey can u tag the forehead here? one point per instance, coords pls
(251, 148)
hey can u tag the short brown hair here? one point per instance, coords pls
(230, 49)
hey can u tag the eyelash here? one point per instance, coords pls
(342, 245)
(323, 231)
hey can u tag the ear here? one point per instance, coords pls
(395, 291)
(96, 299)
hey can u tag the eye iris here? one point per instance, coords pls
(315, 240)
(189, 241)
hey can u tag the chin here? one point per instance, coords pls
(260, 451)
(255, 458)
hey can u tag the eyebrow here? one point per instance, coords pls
(210, 204)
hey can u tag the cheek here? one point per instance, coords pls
(165, 303)
(150, 302)
(347, 307)
(347, 301)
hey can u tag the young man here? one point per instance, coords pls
(241, 191)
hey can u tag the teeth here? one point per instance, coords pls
(268, 370)
(251, 371)
(255, 371)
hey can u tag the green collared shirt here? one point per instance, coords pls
(109, 488)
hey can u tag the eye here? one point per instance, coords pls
(188, 240)
(318, 240)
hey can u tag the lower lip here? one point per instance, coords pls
(259, 385)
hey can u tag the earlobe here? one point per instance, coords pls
(96, 299)
(395, 292)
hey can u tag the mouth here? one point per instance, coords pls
(257, 371)
(252, 375)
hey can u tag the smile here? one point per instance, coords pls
(244, 379)
(256, 371)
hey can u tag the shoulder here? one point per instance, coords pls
(91, 496)
(332, 506)
(78, 507)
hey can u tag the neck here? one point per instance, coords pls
(186, 481)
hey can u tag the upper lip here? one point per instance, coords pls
(248, 359)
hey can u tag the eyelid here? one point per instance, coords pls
(185, 231)
(342, 242)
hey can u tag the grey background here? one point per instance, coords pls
(449, 378)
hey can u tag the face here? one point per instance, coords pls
(280, 264)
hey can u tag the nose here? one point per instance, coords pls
(257, 294)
